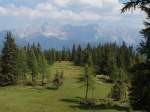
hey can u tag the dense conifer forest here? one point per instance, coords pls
(106, 59)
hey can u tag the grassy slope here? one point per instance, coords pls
(28, 99)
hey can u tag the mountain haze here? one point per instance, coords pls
(50, 36)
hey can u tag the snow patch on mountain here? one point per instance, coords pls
(56, 36)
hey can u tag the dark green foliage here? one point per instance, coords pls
(73, 53)
(104, 58)
(114, 75)
(43, 69)
(119, 91)
(79, 56)
(140, 90)
(65, 54)
(52, 55)
(9, 74)
(109, 60)
(33, 65)
(37, 62)
(107, 57)
(17, 63)
(22, 63)
(120, 88)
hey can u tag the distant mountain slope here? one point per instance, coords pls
(51, 36)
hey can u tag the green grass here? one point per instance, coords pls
(35, 99)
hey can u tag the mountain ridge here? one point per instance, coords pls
(50, 36)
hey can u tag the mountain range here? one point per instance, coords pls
(53, 36)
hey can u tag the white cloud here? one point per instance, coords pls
(62, 10)
(12, 10)
(88, 3)
(48, 9)
(45, 7)
(63, 3)
(94, 3)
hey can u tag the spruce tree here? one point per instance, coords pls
(79, 56)
(8, 74)
(43, 66)
(22, 63)
(139, 92)
(73, 52)
(119, 90)
(33, 64)
(109, 60)
(64, 54)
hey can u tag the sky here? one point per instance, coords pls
(15, 14)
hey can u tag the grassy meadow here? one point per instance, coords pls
(65, 99)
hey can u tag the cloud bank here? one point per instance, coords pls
(65, 11)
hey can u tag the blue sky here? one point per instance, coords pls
(15, 14)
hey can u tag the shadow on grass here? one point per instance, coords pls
(52, 88)
(99, 107)
(75, 102)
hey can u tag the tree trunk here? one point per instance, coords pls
(33, 77)
(43, 77)
(87, 88)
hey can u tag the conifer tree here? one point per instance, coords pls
(119, 90)
(22, 63)
(43, 66)
(73, 52)
(8, 74)
(63, 53)
(139, 92)
(87, 80)
(114, 74)
(140, 88)
(90, 61)
(79, 56)
(33, 65)
(109, 60)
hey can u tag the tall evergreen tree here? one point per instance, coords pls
(22, 63)
(139, 92)
(43, 69)
(33, 65)
(120, 88)
(79, 56)
(8, 61)
(73, 52)
(109, 61)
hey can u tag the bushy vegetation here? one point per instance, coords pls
(58, 79)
